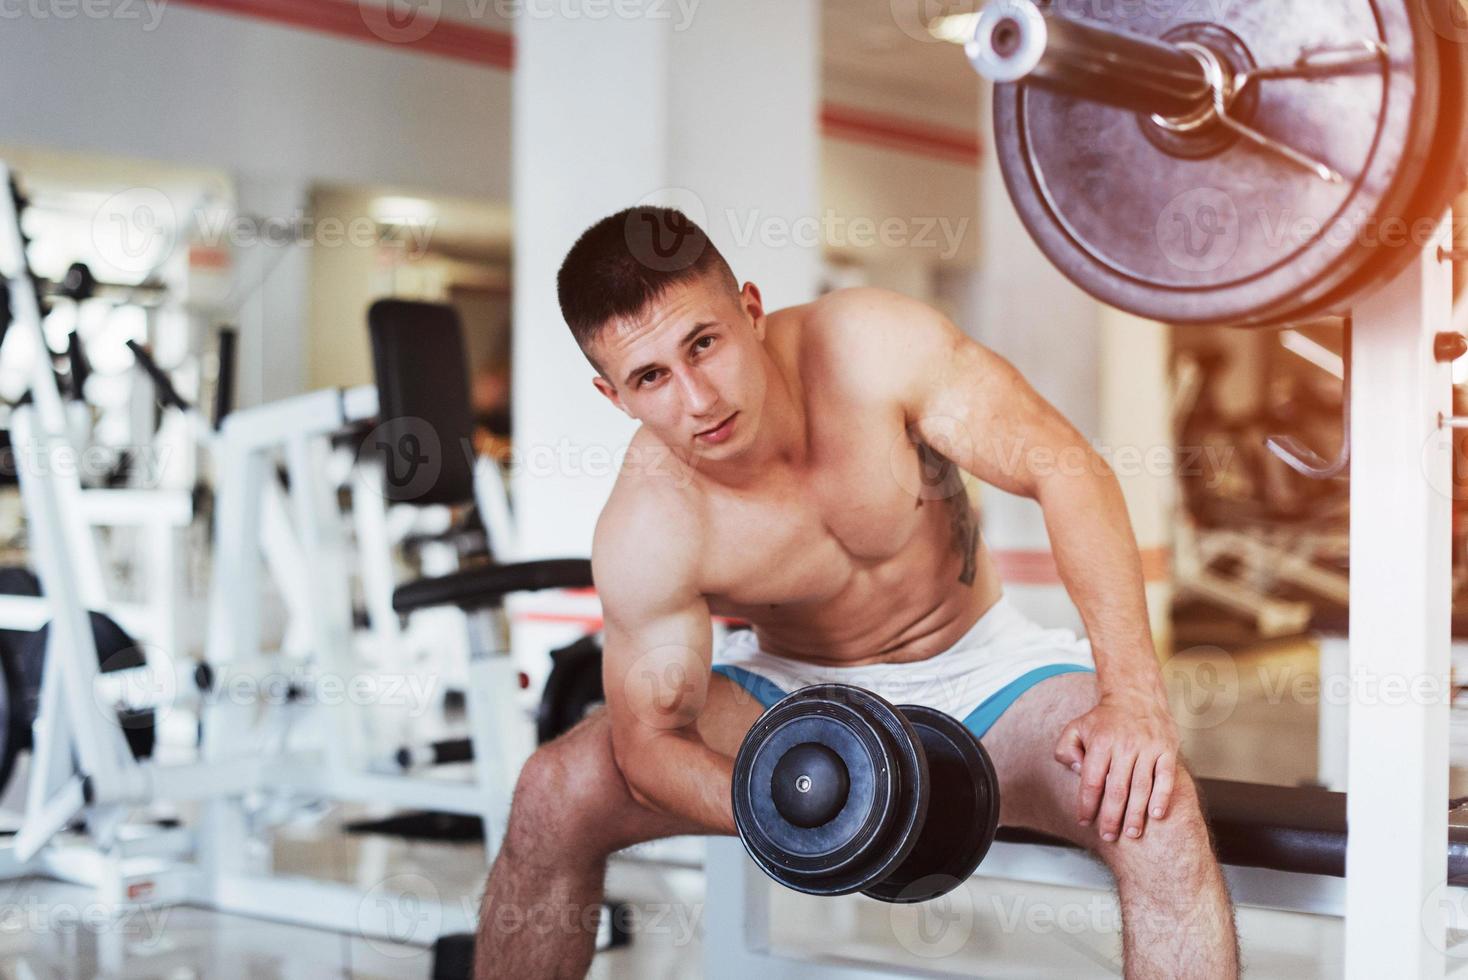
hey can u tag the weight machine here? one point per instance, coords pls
(258, 760)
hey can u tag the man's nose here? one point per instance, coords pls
(698, 394)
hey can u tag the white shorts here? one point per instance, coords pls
(1001, 657)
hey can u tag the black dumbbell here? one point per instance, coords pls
(837, 791)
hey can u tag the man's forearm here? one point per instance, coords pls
(676, 773)
(1096, 554)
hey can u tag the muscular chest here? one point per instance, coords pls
(856, 505)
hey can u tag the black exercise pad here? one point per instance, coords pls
(456, 828)
(487, 585)
(1283, 828)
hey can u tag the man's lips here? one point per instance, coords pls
(717, 428)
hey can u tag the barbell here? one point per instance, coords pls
(1265, 166)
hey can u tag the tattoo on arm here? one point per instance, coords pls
(943, 480)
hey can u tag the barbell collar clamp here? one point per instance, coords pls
(1017, 41)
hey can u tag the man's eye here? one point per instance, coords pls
(704, 343)
(648, 378)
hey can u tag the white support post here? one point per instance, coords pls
(737, 937)
(374, 559)
(318, 523)
(1396, 858)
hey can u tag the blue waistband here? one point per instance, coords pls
(978, 721)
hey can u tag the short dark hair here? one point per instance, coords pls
(626, 260)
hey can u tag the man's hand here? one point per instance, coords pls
(1126, 752)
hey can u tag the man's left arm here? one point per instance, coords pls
(969, 404)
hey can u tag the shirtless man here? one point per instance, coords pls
(792, 470)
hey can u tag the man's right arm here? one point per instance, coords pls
(658, 648)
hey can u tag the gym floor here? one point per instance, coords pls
(1267, 735)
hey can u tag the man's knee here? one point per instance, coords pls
(570, 787)
(1178, 845)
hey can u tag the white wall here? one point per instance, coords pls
(209, 89)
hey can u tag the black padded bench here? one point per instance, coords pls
(1281, 828)
(487, 585)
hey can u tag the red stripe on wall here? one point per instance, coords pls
(895, 133)
(371, 22)
(204, 257)
(1038, 567)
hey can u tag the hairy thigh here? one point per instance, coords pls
(1042, 794)
(1035, 791)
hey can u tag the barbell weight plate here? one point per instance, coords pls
(1447, 161)
(1239, 235)
(885, 784)
(963, 812)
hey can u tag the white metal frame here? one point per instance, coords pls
(81, 762)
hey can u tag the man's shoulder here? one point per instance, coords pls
(868, 335)
(654, 506)
(647, 543)
(862, 304)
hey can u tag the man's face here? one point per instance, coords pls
(690, 367)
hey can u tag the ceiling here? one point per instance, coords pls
(883, 47)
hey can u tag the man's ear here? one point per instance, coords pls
(607, 388)
(754, 308)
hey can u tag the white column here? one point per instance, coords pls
(1136, 436)
(272, 277)
(1396, 859)
(715, 113)
(1033, 316)
(1105, 371)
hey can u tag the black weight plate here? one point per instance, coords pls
(963, 812)
(572, 689)
(1241, 236)
(13, 734)
(887, 795)
(116, 650)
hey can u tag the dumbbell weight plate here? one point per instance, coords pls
(858, 751)
(963, 812)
